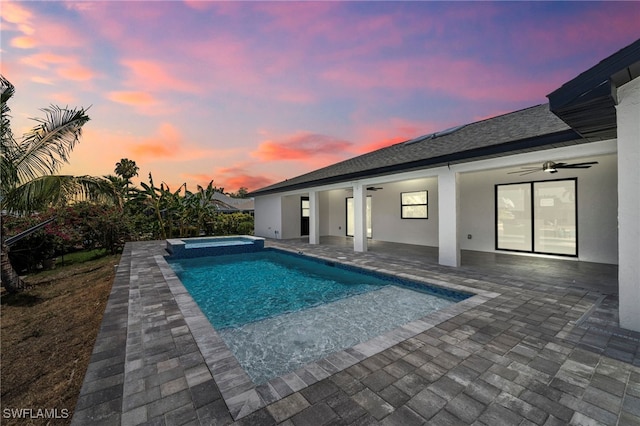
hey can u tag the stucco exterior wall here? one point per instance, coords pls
(268, 216)
(291, 216)
(628, 116)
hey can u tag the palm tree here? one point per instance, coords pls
(126, 169)
(27, 169)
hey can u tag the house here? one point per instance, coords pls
(227, 204)
(559, 179)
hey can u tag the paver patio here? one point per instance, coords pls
(541, 346)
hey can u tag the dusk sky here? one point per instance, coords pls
(252, 93)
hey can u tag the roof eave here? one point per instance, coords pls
(566, 137)
(587, 103)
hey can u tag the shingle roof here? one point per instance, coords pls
(529, 129)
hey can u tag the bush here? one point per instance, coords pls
(234, 224)
(92, 226)
(29, 253)
(245, 228)
(82, 226)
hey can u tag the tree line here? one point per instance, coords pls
(89, 211)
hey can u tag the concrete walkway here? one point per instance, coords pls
(539, 345)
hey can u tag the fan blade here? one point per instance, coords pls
(530, 171)
(576, 165)
(525, 170)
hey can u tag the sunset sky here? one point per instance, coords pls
(252, 93)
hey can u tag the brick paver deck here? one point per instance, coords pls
(539, 345)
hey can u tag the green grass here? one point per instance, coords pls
(80, 257)
(71, 259)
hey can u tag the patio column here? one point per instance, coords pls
(314, 218)
(628, 121)
(449, 248)
(360, 217)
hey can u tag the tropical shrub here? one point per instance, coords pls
(234, 224)
(29, 253)
(90, 225)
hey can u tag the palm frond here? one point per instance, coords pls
(7, 142)
(7, 92)
(48, 144)
(56, 190)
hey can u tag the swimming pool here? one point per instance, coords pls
(277, 311)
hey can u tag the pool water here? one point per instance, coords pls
(216, 242)
(237, 289)
(213, 246)
(277, 311)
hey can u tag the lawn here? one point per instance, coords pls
(47, 334)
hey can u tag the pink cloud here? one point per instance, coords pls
(247, 181)
(198, 4)
(296, 96)
(304, 19)
(463, 78)
(165, 144)
(23, 42)
(558, 35)
(224, 62)
(132, 98)
(234, 177)
(389, 132)
(18, 15)
(66, 67)
(44, 60)
(76, 72)
(39, 31)
(42, 80)
(156, 76)
(230, 178)
(301, 146)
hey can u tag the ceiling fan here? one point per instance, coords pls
(373, 188)
(552, 167)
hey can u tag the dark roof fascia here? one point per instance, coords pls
(587, 103)
(522, 145)
(594, 77)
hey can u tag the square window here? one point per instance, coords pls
(414, 205)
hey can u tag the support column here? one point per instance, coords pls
(314, 218)
(448, 202)
(360, 217)
(628, 121)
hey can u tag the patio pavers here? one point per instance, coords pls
(544, 349)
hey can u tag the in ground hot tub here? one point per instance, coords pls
(213, 246)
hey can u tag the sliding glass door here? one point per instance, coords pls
(537, 217)
(555, 213)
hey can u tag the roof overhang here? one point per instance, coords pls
(587, 103)
(554, 140)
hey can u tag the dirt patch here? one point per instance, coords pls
(47, 335)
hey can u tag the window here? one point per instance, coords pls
(537, 217)
(414, 205)
(305, 206)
